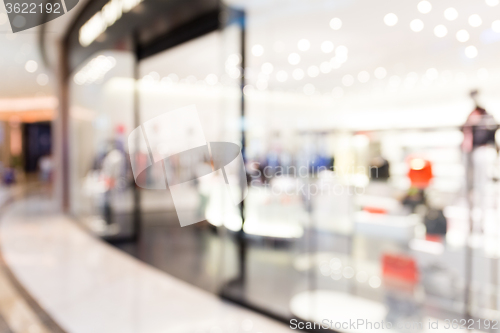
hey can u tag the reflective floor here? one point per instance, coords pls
(285, 279)
(87, 286)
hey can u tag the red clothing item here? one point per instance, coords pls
(420, 173)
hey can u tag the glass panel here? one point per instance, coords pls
(101, 117)
(365, 201)
(189, 118)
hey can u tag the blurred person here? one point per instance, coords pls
(45, 164)
(113, 171)
(479, 128)
(481, 152)
(9, 176)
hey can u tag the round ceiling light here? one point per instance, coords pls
(440, 31)
(380, 73)
(303, 45)
(257, 50)
(424, 7)
(267, 68)
(417, 25)
(471, 52)
(42, 79)
(475, 20)
(335, 23)
(391, 19)
(495, 26)
(31, 66)
(450, 14)
(293, 58)
(462, 36)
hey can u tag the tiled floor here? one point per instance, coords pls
(89, 286)
(16, 313)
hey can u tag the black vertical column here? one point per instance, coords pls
(241, 234)
(64, 82)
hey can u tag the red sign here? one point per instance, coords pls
(399, 267)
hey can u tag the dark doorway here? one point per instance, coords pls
(37, 143)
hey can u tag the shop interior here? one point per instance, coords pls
(371, 150)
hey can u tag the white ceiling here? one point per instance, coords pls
(278, 25)
(371, 43)
(429, 97)
(16, 49)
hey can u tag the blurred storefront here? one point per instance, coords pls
(25, 136)
(372, 188)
